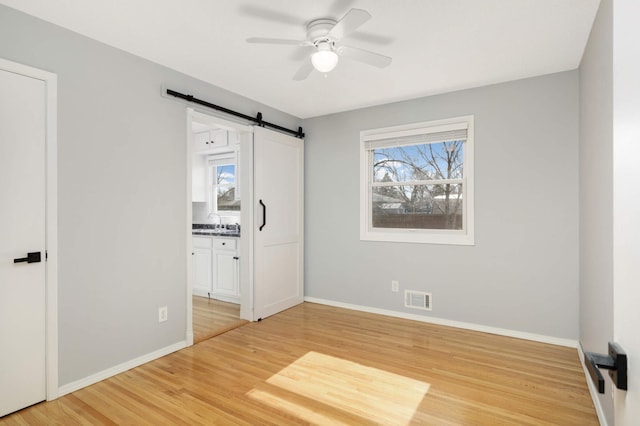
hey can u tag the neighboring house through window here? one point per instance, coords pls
(417, 182)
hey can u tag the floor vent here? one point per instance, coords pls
(417, 300)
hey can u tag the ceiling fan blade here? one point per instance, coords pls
(349, 23)
(372, 38)
(304, 71)
(267, 40)
(365, 56)
(301, 53)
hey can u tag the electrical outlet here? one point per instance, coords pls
(395, 286)
(163, 314)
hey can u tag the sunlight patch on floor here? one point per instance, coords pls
(339, 389)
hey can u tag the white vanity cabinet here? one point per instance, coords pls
(225, 270)
(216, 268)
(202, 261)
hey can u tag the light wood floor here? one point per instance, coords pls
(212, 317)
(316, 364)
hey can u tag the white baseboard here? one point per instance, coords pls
(225, 298)
(458, 324)
(216, 296)
(592, 390)
(200, 293)
(110, 372)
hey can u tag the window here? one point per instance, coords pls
(222, 176)
(417, 183)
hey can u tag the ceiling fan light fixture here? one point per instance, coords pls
(325, 59)
(323, 39)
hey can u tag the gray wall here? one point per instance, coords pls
(122, 192)
(596, 191)
(522, 273)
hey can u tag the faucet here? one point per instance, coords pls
(216, 214)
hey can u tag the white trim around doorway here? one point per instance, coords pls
(246, 238)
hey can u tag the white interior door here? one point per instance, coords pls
(626, 204)
(278, 222)
(22, 231)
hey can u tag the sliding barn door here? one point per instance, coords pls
(278, 196)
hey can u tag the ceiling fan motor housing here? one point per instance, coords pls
(318, 31)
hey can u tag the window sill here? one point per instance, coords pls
(419, 237)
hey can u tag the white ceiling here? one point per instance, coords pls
(437, 45)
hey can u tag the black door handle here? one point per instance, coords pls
(31, 258)
(264, 215)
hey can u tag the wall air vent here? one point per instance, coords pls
(417, 300)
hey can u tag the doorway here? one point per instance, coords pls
(28, 225)
(215, 233)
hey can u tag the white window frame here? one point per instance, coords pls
(465, 236)
(213, 161)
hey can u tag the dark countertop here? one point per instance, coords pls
(206, 230)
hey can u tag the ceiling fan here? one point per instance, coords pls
(323, 36)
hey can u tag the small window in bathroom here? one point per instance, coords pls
(223, 184)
